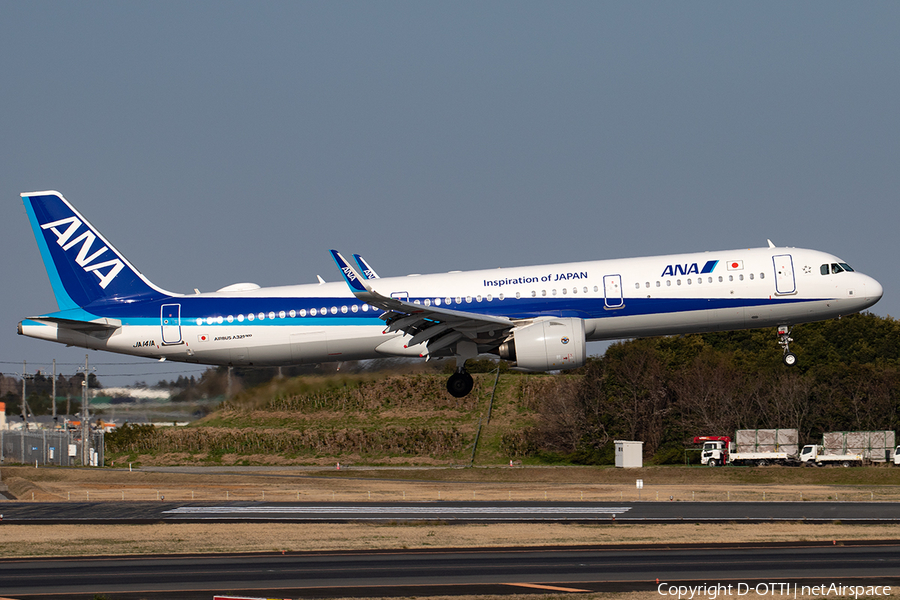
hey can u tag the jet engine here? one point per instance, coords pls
(549, 345)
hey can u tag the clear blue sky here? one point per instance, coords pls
(222, 142)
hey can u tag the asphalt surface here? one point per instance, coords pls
(451, 571)
(458, 512)
(455, 572)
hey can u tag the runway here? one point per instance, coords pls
(455, 512)
(557, 570)
(454, 572)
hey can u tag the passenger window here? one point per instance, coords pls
(751, 276)
(762, 275)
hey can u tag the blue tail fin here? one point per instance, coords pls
(83, 267)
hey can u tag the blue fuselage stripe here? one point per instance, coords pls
(208, 311)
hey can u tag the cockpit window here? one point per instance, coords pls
(835, 268)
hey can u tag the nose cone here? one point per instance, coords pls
(870, 291)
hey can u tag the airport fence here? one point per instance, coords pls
(42, 447)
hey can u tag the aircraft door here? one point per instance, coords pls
(612, 290)
(784, 274)
(170, 321)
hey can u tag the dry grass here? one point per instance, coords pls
(177, 538)
(355, 484)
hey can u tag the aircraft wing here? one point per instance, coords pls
(438, 328)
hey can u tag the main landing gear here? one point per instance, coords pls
(460, 383)
(784, 338)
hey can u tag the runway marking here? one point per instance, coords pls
(396, 511)
(552, 588)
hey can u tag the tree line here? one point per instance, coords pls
(664, 391)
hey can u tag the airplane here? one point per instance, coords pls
(538, 318)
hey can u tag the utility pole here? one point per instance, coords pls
(25, 407)
(24, 413)
(85, 417)
(53, 393)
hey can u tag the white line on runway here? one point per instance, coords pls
(404, 510)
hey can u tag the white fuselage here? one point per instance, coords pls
(620, 298)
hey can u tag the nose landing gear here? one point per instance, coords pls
(784, 338)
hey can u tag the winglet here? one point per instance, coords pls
(353, 279)
(367, 271)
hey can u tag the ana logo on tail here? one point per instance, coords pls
(85, 259)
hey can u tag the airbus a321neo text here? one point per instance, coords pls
(538, 318)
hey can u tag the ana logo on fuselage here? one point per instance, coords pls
(85, 259)
(689, 269)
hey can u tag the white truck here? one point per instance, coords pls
(719, 450)
(897, 455)
(814, 454)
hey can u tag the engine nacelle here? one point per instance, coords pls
(550, 345)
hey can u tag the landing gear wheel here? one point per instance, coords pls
(789, 359)
(460, 384)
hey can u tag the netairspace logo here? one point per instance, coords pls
(770, 590)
